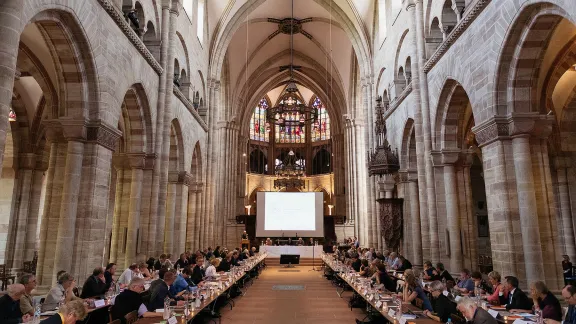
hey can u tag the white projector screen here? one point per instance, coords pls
(289, 214)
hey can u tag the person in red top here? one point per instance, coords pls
(495, 279)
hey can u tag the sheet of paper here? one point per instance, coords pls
(391, 312)
(99, 303)
(493, 313)
(172, 320)
(379, 304)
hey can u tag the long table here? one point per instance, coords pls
(220, 287)
(303, 251)
(382, 303)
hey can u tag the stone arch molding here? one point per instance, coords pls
(360, 43)
(521, 57)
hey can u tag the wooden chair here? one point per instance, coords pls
(5, 276)
(131, 317)
(27, 268)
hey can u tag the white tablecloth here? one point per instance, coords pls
(303, 251)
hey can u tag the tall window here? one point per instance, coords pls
(188, 7)
(321, 128)
(258, 131)
(201, 20)
(294, 134)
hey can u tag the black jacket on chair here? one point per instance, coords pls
(93, 287)
(54, 319)
(10, 310)
(519, 300)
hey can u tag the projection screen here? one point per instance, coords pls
(290, 213)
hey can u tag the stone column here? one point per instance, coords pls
(470, 214)
(10, 29)
(30, 245)
(415, 217)
(170, 212)
(26, 163)
(137, 163)
(75, 133)
(182, 212)
(118, 162)
(452, 215)
(531, 243)
(562, 171)
(191, 228)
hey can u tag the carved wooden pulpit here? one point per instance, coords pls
(391, 221)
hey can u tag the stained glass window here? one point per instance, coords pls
(291, 133)
(258, 131)
(12, 115)
(321, 127)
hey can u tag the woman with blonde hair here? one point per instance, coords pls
(494, 279)
(71, 312)
(211, 270)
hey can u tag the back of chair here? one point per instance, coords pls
(131, 317)
(457, 319)
(2, 270)
(116, 322)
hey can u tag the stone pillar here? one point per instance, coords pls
(170, 213)
(182, 213)
(75, 133)
(191, 228)
(118, 162)
(30, 245)
(26, 163)
(133, 236)
(10, 28)
(452, 213)
(531, 243)
(430, 246)
(470, 215)
(415, 217)
(562, 172)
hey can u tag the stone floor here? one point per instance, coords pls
(316, 303)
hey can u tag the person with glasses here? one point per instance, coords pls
(131, 300)
(26, 302)
(443, 306)
(569, 295)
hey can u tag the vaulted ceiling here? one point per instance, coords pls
(256, 38)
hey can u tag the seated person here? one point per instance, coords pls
(465, 284)
(311, 241)
(198, 271)
(382, 278)
(405, 264)
(569, 295)
(160, 291)
(517, 300)
(109, 274)
(130, 300)
(545, 301)
(253, 251)
(474, 314)
(443, 306)
(300, 242)
(211, 269)
(225, 264)
(28, 280)
(429, 272)
(479, 283)
(128, 274)
(268, 242)
(355, 262)
(144, 272)
(159, 264)
(413, 290)
(95, 285)
(235, 258)
(182, 262)
(181, 283)
(444, 275)
(61, 292)
(365, 269)
(10, 312)
(494, 278)
(70, 313)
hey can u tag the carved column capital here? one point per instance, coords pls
(74, 130)
(136, 160)
(27, 161)
(531, 124)
(103, 134)
(150, 161)
(180, 177)
(493, 129)
(386, 183)
(407, 176)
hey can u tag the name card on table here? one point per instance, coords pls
(519, 321)
(391, 312)
(457, 298)
(379, 304)
(172, 320)
(99, 303)
(493, 313)
(402, 320)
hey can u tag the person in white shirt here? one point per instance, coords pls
(211, 270)
(128, 274)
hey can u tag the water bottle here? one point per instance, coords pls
(166, 314)
(37, 312)
(449, 321)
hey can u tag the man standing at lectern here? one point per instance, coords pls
(244, 237)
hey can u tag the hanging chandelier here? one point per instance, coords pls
(289, 173)
(382, 160)
(291, 112)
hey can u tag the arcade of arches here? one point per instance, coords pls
(134, 133)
